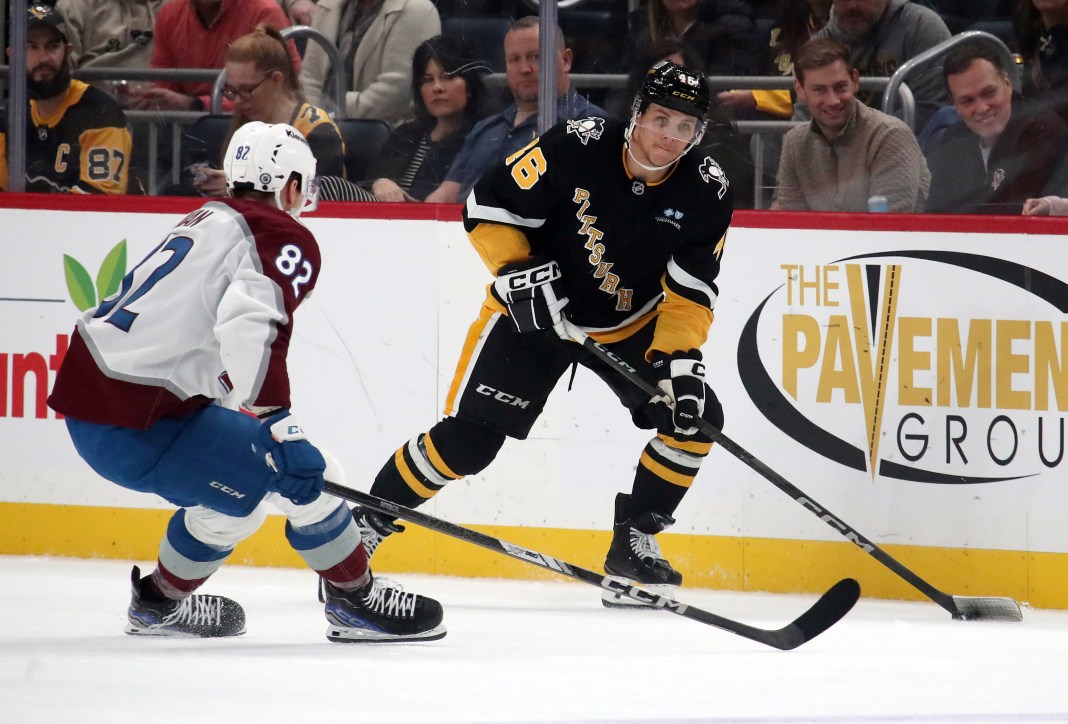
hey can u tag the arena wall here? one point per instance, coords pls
(909, 373)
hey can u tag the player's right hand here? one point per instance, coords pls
(297, 466)
(534, 294)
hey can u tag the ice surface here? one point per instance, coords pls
(515, 652)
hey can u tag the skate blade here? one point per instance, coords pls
(172, 633)
(350, 635)
(609, 599)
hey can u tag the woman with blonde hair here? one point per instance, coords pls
(263, 85)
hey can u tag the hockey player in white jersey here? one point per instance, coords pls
(177, 385)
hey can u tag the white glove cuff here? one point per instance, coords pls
(287, 429)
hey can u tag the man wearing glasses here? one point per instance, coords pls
(197, 34)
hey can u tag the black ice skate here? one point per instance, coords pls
(374, 527)
(195, 616)
(635, 555)
(379, 612)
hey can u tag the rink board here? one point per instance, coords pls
(908, 373)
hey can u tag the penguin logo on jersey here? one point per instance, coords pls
(710, 171)
(586, 129)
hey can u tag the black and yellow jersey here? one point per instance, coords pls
(83, 147)
(323, 137)
(627, 250)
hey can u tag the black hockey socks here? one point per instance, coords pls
(665, 472)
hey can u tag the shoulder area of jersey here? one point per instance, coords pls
(585, 130)
(709, 172)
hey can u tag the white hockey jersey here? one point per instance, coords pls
(206, 316)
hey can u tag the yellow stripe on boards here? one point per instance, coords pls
(720, 562)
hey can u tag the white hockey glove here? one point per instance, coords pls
(534, 294)
(681, 375)
(297, 465)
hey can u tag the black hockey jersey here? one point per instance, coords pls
(627, 250)
(84, 147)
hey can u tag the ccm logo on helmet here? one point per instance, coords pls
(534, 277)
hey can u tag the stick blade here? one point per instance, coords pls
(826, 612)
(986, 608)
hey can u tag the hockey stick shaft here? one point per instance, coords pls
(829, 609)
(1001, 608)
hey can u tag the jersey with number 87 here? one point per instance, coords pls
(207, 315)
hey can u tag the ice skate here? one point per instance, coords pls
(635, 555)
(381, 612)
(195, 616)
(374, 527)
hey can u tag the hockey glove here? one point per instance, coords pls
(534, 294)
(681, 375)
(297, 465)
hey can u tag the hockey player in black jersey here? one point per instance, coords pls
(618, 227)
(77, 139)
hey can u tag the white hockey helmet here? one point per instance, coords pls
(263, 156)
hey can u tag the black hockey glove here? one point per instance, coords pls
(297, 464)
(681, 375)
(533, 292)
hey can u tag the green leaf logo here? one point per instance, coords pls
(112, 271)
(80, 284)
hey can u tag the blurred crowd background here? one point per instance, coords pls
(409, 100)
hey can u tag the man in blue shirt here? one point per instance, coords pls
(497, 137)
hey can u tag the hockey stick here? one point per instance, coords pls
(828, 609)
(968, 608)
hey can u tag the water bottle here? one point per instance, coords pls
(878, 204)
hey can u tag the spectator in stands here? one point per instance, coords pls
(722, 141)
(197, 34)
(884, 34)
(263, 85)
(77, 140)
(1042, 32)
(497, 137)
(449, 98)
(796, 22)
(110, 33)
(1007, 149)
(722, 32)
(300, 12)
(376, 40)
(848, 152)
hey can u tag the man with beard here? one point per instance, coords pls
(881, 35)
(77, 140)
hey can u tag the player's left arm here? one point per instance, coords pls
(690, 292)
(104, 162)
(255, 316)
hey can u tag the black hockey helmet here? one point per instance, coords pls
(676, 87)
